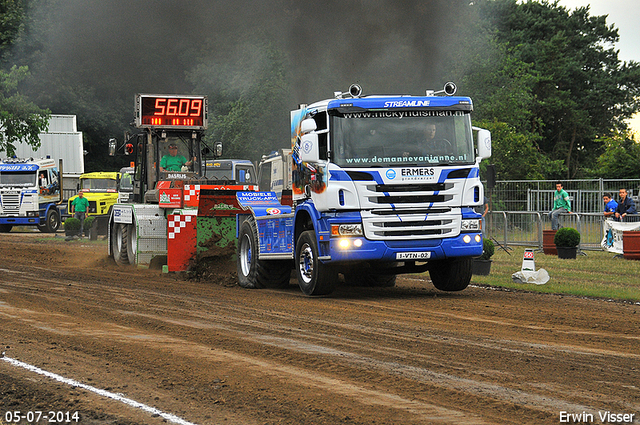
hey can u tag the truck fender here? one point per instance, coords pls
(307, 217)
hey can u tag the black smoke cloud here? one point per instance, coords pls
(120, 47)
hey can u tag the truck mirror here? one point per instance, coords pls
(309, 150)
(308, 125)
(484, 143)
(113, 144)
(217, 147)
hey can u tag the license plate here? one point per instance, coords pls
(413, 255)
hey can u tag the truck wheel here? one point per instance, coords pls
(254, 273)
(314, 277)
(452, 274)
(119, 238)
(248, 255)
(53, 221)
(5, 228)
(132, 242)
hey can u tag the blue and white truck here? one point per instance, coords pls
(381, 185)
(30, 194)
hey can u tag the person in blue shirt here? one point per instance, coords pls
(626, 206)
(610, 205)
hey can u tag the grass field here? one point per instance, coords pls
(596, 274)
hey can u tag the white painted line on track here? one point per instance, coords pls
(168, 416)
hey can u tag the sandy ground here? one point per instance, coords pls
(210, 352)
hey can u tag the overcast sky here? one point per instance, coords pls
(624, 14)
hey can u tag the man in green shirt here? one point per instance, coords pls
(561, 205)
(173, 161)
(79, 209)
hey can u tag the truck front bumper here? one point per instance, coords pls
(350, 249)
(18, 221)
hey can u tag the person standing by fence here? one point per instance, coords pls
(626, 206)
(610, 205)
(561, 205)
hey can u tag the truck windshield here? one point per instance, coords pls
(219, 173)
(384, 139)
(99, 184)
(126, 182)
(16, 178)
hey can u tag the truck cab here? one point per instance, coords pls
(29, 194)
(101, 190)
(381, 185)
(125, 187)
(238, 171)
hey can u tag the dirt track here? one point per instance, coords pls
(211, 352)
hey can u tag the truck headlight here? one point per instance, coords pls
(473, 225)
(346, 229)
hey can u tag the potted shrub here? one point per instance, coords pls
(88, 224)
(567, 240)
(71, 226)
(482, 264)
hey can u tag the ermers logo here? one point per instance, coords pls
(417, 172)
(391, 174)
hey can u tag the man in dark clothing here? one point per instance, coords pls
(626, 206)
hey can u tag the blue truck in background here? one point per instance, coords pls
(30, 194)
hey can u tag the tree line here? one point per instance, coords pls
(546, 80)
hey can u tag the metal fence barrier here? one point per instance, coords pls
(524, 228)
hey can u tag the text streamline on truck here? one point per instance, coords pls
(382, 185)
(29, 194)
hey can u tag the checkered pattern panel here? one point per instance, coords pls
(176, 223)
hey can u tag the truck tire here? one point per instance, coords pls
(254, 273)
(52, 224)
(451, 275)
(5, 228)
(132, 242)
(119, 242)
(314, 277)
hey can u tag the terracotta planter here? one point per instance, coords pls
(481, 267)
(548, 246)
(631, 245)
(568, 253)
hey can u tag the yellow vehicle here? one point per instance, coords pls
(101, 190)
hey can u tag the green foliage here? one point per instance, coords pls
(11, 16)
(88, 222)
(553, 78)
(516, 157)
(20, 119)
(620, 159)
(71, 226)
(488, 249)
(567, 237)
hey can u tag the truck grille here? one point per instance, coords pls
(406, 211)
(10, 202)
